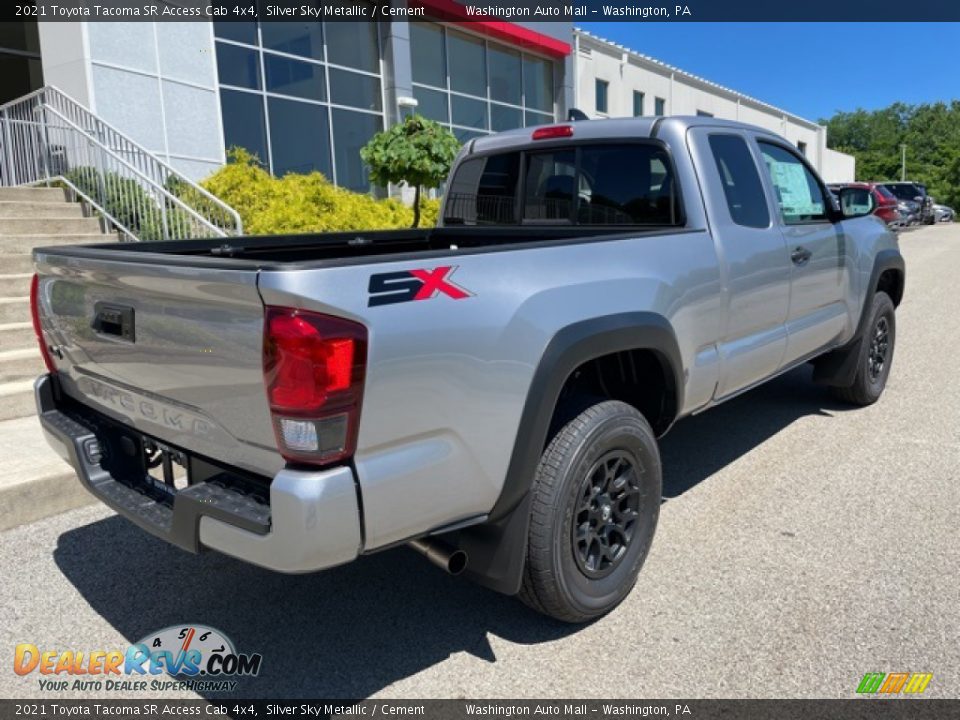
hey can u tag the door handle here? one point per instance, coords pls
(800, 255)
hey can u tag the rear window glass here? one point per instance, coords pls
(602, 184)
(740, 180)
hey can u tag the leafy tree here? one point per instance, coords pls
(418, 152)
(930, 131)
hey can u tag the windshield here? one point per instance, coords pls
(904, 191)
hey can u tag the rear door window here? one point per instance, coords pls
(592, 184)
(740, 180)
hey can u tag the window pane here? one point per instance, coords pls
(18, 76)
(299, 137)
(432, 104)
(626, 185)
(464, 135)
(497, 189)
(469, 112)
(601, 93)
(20, 35)
(468, 72)
(351, 131)
(504, 74)
(243, 124)
(538, 83)
(245, 32)
(550, 188)
(740, 181)
(427, 54)
(637, 103)
(658, 106)
(354, 45)
(533, 118)
(355, 90)
(505, 118)
(798, 193)
(238, 66)
(304, 39)
(291, 77)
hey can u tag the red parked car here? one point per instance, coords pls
(885, 200)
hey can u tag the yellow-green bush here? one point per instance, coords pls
(270, 205)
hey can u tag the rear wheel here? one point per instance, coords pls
(876, 354)
(596, 500)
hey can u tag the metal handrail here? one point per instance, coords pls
(48, 137)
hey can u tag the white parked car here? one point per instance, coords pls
(942, 213)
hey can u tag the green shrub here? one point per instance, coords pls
(295, 203)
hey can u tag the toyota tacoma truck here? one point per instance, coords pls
(489, 391)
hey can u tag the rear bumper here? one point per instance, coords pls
(312, 520)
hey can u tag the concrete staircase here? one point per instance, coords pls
(34, 482)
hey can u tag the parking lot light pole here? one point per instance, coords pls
(903, 161)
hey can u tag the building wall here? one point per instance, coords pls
(155, 82)
(175, 89)
(838, 166)
(684, 94)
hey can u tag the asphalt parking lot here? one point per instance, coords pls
(801, 545)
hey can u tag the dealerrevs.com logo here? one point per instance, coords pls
(201, 658)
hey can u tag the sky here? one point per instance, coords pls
(810, 69)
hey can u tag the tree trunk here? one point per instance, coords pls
(416, 207)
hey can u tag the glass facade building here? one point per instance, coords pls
(308, 96)
(301, 96)
(476, 86)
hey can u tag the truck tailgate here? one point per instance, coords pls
(174, 351)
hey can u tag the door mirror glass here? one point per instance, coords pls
(856, 202)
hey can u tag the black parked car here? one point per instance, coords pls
(914, 192)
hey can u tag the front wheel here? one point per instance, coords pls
(596, 501)
(876, 354)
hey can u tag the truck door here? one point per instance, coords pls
(753, 256)
(819, 266)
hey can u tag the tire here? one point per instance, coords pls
(573, 573)
(871, 378)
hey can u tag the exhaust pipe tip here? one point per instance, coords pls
(452, 560)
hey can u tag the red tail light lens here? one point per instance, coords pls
(553, 131)
(314, 368)
(37, 328)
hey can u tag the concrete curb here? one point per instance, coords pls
(40, 497)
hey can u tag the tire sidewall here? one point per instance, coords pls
(623, 431)
(882, 307)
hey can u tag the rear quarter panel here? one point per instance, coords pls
(447, 379)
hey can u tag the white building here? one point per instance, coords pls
(614, 81)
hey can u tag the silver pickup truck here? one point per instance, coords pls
(489, 391)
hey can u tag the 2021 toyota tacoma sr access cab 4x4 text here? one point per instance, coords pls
(489, 391)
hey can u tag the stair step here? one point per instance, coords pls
(35, 482)
(14, 309)
(17, 335)
(23, 364)
(49, 226)
(38, 194)
(15, 262)
(16, 399)
(14, 284)
(26, 243)
(24, 210)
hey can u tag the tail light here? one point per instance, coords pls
(314, 367)
(552, 131)
(37, 328)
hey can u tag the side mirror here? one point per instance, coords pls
(856, 202)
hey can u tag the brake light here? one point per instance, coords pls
(37, 328)
(314, 367)
(553, 131)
